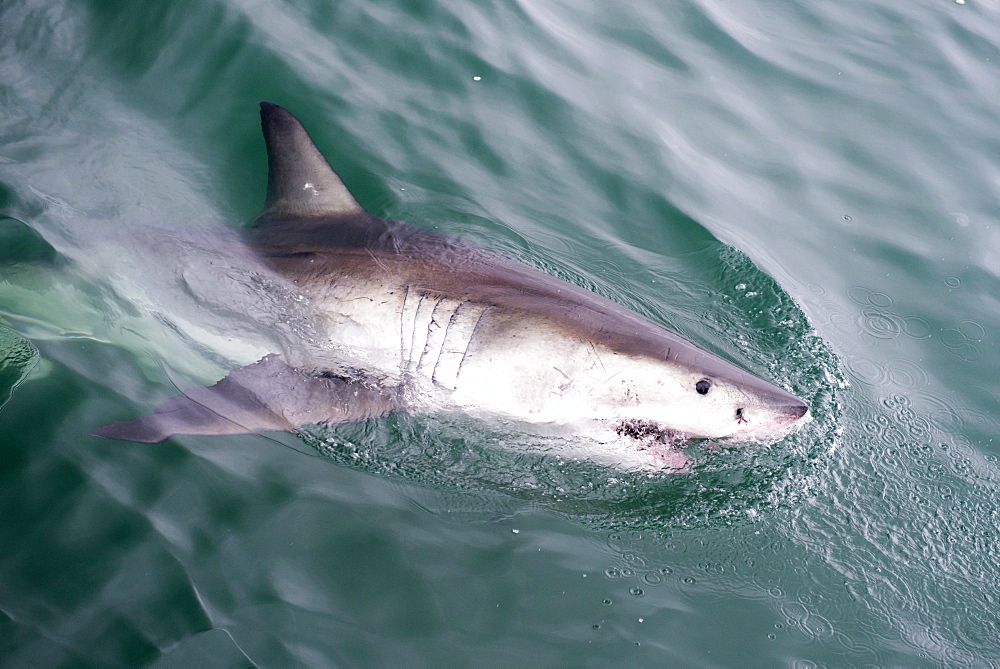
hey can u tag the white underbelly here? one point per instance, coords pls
(450, 353)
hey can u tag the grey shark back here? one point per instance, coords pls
(419, 321)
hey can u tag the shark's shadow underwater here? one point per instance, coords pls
(412, 320)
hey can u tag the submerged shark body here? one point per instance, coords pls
(408, 319)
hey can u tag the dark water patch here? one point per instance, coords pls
(21, 244)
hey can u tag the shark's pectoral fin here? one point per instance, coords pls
(266, 396)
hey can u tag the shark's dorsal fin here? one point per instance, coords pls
(299, 180)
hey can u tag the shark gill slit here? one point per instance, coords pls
(442, 350)
(412, 299)
(472, 338)
(455, 344)
(420, 320)
(437, 328)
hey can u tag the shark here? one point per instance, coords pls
(412, 320)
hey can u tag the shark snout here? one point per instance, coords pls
(786, 407)
(789, 412)
(777, 414)
(795, 411)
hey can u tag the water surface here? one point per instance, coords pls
(808, 189)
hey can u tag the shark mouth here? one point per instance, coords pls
(663, 445)
(648, 433)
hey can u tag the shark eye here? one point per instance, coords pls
(703, 386)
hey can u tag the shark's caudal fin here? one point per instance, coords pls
(299, 180)
(266, 396)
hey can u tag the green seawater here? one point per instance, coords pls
(809, 189)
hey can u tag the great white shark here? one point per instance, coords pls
(413, 320)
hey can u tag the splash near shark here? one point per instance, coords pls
(416, 321)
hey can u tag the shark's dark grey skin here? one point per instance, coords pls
(418, 321)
